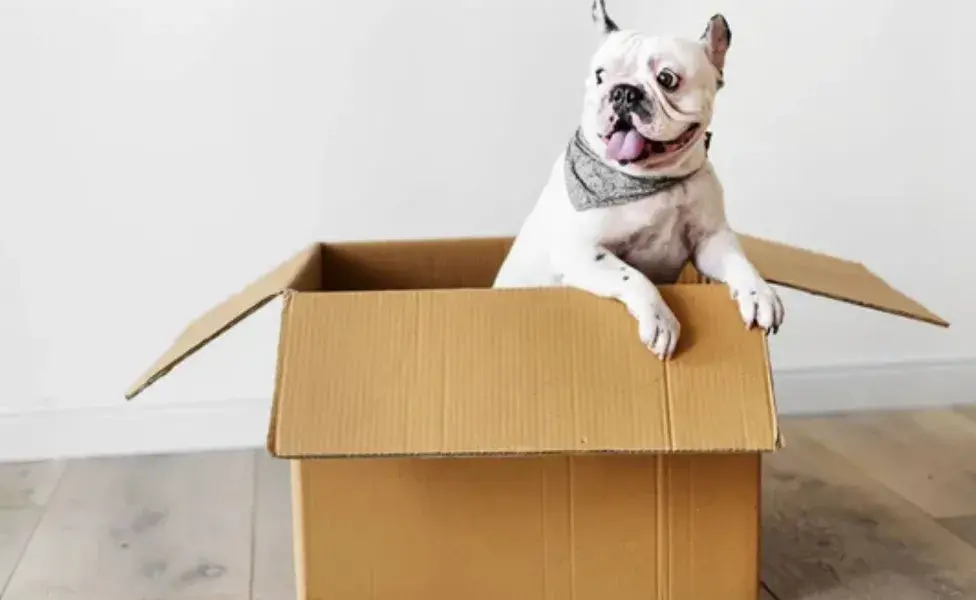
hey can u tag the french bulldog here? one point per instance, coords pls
(634, 197)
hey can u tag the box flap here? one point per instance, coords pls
(831, 277)
(502, 372)
(302, 271)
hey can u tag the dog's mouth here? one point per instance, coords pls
(626, 145)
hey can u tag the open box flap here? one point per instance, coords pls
(300, 272)
(831, 277)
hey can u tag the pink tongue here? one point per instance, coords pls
(625, 145)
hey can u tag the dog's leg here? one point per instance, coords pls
(596, 270)
(718, 256)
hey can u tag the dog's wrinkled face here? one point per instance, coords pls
(649, 99)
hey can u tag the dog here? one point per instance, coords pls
(634, 197)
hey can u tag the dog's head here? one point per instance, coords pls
(649, 98)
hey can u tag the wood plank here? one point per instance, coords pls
(832, 533)
(25, 488)
(274, 567)
(26, 485)
(967, 410)
(173, 527)
(963, 527)
(924, 455)
(16, 527)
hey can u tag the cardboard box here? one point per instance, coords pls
(452, 441)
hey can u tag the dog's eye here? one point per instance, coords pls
(599, 75)
(668, 80)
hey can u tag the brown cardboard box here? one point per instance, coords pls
(451, 441)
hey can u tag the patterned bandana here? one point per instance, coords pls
(591, 183)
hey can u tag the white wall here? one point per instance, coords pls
(154, 156)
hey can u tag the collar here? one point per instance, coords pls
(591, 183)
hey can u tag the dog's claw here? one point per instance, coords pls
(659, 332)
(759, 306)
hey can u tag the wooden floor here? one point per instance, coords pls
(869, 506)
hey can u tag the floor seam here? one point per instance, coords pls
(43, 510)
(769, 591)
(254, 523)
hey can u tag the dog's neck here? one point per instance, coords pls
(592, 183)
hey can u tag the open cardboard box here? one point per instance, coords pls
(571, 463)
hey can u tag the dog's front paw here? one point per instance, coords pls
(759, 305)
(659, 330)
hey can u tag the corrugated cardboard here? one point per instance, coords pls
(833, 278)
(302, 272)
(549, 528)
(451, 440)
(534, 372)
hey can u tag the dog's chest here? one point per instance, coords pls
(649, 235)
(652, 223)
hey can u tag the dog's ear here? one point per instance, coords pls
(716, 40)
(602, 19)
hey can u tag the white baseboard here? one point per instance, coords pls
(875, 387)
(138, 428)
(133, 428)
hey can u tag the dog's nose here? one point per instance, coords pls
(625, 95)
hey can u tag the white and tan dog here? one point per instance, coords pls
(634, 197)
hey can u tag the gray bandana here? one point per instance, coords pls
(593, 184)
